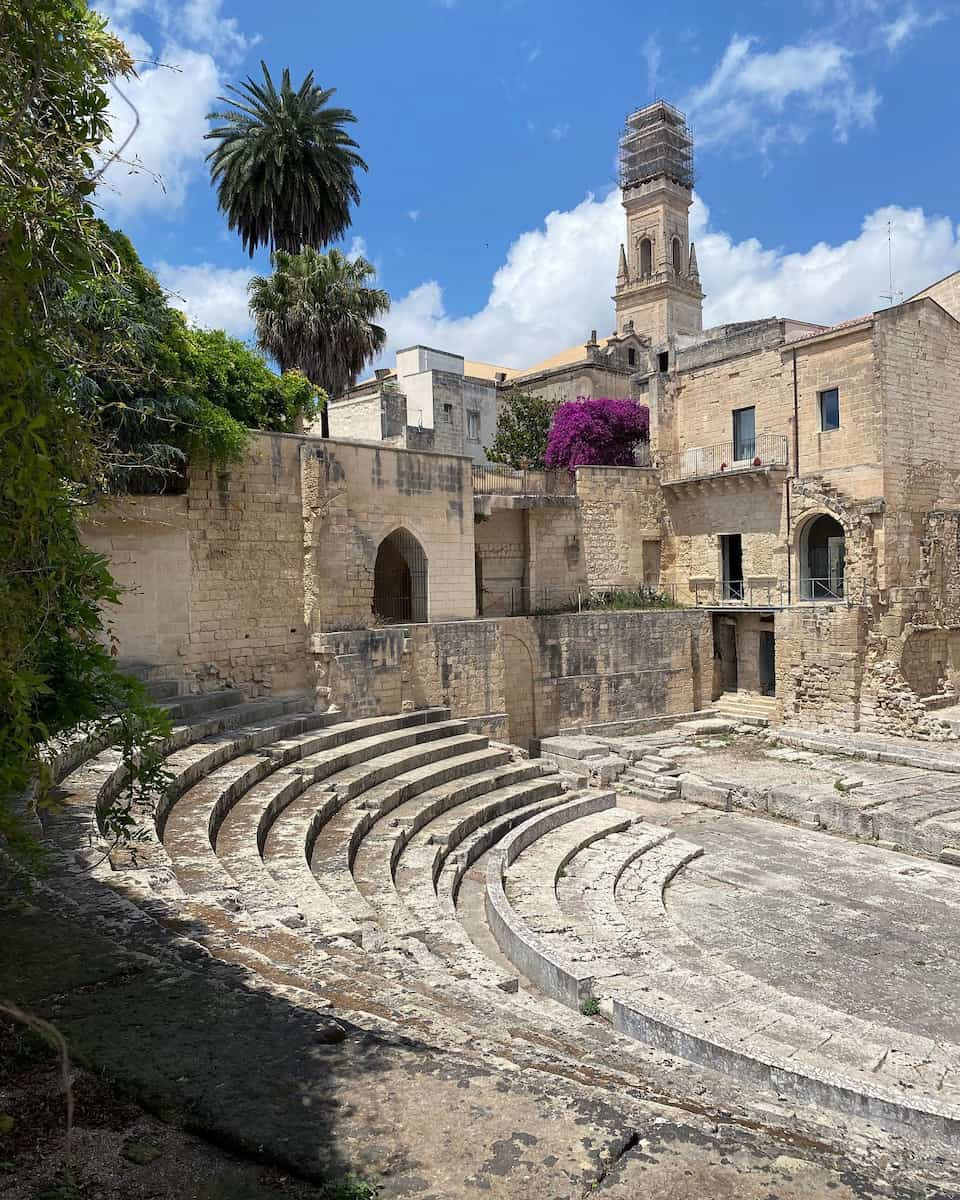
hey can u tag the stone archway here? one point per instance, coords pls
(822, 555)
(400, 579)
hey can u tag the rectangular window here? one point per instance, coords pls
(631, 356)
(473, 426)
(829, 410)
(744, 434)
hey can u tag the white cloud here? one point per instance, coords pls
(414, 214)
(771, 97)
(167, 148)
(200, 23)
(825, 283)
(906, 23)
(170, 97)
(212, 297)
(556, 283)
(559, 131)
(652, 54)
(358, 248)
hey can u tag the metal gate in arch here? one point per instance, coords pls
(400, 579)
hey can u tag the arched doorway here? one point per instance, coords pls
(400, 579)
(822, 559)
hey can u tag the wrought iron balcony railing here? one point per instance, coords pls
(726, 458)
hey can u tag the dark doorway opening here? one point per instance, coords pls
(726, 669)
(478, 576)
(400, 579)
(768, 663)
(731, 555)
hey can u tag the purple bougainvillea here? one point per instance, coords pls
(596, 432)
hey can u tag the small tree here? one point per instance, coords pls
(523, 424)
(599, 432)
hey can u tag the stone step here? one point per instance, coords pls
(334, 852)
(654, 781)
(295, 832)
(162, 689)
(658, 765)
(379, 856)
(194, 706)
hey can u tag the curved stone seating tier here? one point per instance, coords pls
(688, 1001)
(287, 837)
(360, 853)
(529, 953)
(294, 833)
(448, 842)
(224, 732)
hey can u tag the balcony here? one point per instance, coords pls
(755, 459)
(505, 481)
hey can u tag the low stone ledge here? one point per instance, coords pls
(810, 1084)
(696, 790)
(516, 939)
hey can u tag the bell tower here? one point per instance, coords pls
(658, 283)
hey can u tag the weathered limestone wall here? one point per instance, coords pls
(354, 496)
(556, 556)
(695, 519)
(217, 573)
(460, 664)
(820, 665)
(579, 379)
(850, 457)
(228, 581)
(357, 419)
(918, 350)
(621, 513)
(147, 540)
(567, 672)
(501, 545)
(545, 673)
(946, 292)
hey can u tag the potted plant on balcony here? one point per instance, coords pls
(757, 462)
(723, 466)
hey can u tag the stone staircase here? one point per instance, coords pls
(409, 876)
(746, 708)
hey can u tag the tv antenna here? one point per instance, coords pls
(892, 295)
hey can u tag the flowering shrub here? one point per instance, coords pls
(599, 432)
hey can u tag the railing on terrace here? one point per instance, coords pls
(525, 601)
(505, 481)
(739, 594)
(821, 589)
(726, 458)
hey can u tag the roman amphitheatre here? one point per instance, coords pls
(467, 883)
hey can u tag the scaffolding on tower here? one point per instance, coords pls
(656, 140)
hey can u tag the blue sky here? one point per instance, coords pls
(490, 130)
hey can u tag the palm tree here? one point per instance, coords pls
(283, 165)
(316, 314)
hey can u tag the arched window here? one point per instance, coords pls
(677, 256)
(646, 257)
(400, 579)
(822, 559)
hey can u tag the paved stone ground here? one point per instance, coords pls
(873, 932)
(258, 1075)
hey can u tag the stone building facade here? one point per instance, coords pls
(801, 507)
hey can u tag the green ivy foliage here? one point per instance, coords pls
(56, 670)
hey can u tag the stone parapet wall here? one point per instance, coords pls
(621, 509)
(546, 673)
